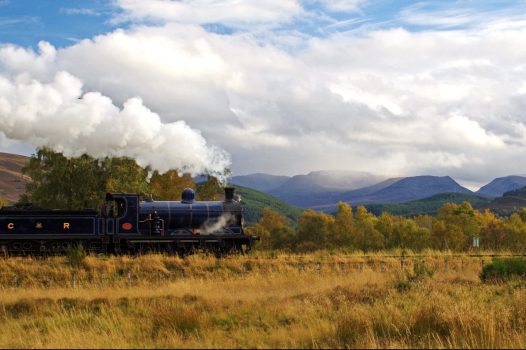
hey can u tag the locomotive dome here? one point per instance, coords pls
(188, 195)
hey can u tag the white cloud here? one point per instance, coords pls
(60, 115)
(342, 5)
(229, 12)
(389, 101)
(79, 11)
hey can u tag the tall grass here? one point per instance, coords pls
(280, 300)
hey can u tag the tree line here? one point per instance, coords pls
(453, 228)
(58, 182)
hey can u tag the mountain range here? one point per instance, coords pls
(501, 185)
(322, 190)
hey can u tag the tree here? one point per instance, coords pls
(169, 185)
(80, 182)
(59, 182)
(124, 175)
(385, 224)
(447, 236)
(313, 230)
(413, 236)
(342, 228)
(517, 232)
(495, 235)
(464, 219)
(210, 190)
(367, 237)
(274, 230)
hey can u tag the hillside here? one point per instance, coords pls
(427, 205)
(254, 202)
(12, 182)
(396, 190)
(413, 188)
(321, 187)
(500, 185)
(509, 203)
(259, 181)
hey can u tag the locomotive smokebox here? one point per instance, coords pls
(229, 194)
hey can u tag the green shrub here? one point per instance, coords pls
(504, 269)
(421, 270)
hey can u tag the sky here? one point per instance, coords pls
(395, 88)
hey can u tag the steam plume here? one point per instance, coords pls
(213, 225)
(61, 116)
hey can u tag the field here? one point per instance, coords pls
(264, 300)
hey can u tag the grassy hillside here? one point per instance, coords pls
(427, 205)
(12, 182)
(254, 202)
(509, 203)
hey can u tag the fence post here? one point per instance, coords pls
(341, 265)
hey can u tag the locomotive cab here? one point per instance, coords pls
(121, 213)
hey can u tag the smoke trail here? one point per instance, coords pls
(215, 224)
(59, 115)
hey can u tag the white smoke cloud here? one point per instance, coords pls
(60, 115)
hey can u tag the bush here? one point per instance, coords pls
(403, 282)
(504, 269)
(421, 270)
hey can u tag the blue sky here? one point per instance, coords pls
(277, 86)
(26, 22)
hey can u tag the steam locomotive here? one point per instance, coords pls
(128, 225)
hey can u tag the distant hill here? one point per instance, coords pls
(331, 199)
(259, 181)
(499, 186)
(255, 201)
(320, 187)
(427, 205)
(12, 182)
(397, 190)
(413, 188)
(510, 202)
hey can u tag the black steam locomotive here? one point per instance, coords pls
(128, 225)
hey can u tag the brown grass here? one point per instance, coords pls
(317, 300)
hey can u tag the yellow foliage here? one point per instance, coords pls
(170, 185)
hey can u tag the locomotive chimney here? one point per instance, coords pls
(229, 194)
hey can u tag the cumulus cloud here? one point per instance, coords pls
(386, 100)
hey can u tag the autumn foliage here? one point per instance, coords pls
(453, 228)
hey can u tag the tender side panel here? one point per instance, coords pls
(46, 225)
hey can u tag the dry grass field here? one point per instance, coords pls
(262, 300)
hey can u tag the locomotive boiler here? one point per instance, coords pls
(129, 225)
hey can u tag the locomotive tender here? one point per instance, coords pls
(128, 225)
